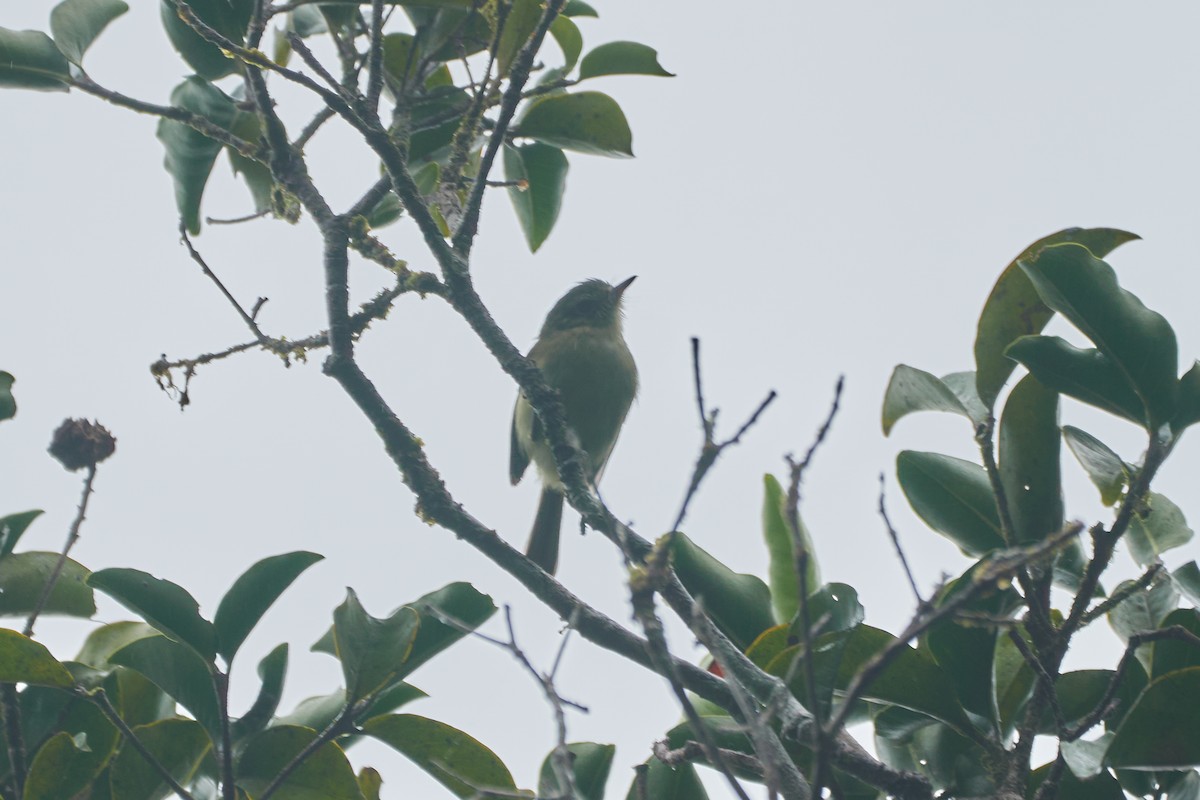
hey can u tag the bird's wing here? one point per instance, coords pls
(518, 459)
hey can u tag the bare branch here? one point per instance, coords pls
(72, 538)
(895, 538)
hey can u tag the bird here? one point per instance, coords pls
(581, 352)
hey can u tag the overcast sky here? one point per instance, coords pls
(825, 189)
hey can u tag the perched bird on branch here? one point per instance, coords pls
(581, 353)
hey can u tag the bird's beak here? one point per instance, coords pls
(620, 288)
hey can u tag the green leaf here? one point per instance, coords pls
(590, 765)
(459, 601)
(1086, 375)
(1143, 611)
(101, 643)
(912, 680)
(400, 61)
(29, 60)
(1162, 730)
(256, 175)
(224, 16)
(137, 698)
(372, 651)
(13, 526)
(1012, 683)
(739, 605)
(522, 20)
(1030, 447)
(587, 122)
(252, 594)
(61, 768)
(271, 671)
(1171, 655)
(1102, 786)
(454, 759)
(1187, 581)
(543, 169)
(318, 712)
(8, 405)
(1106, 469)
(952, 496)
(324, 775)
(621, 58)
(180, 745)
(578, 8)
(75, 24)
(781, 551)
(307, 21)
(23, 660)
(1139, 342)
(567, 34)
(23, 579)
(1079, 693)
(1189, 399)
(1013, 309)
(1157, 526)
(190, 155)
(179, 672)
(667, 783)
(838, 604)
(165, 605)
(911, 389)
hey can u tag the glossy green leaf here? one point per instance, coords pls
(307, 21)
(1187, 581)
(1142, 611)
(578, 8)
(22, 660)
(952, 496)
(590, 765)
(318, 712)
(911, 389)
(739, 605)
(271, 672)
(953, 764)
(180, 745)
(1084, 374)
(8, 405)
(1171, 655)
(256, 175)
(1188, 412)
(1030, 445)
(227, 17)
(372, 650)
(252, 594)
(834, 607)
(1157, 526)
(461, 602)
(523, 17)
(781, 552)
(621, 58)
(23, 578)
(1080, 691)
(454, 759)
(137, 698)
(667, 783)
(1069, 566)
(75, 24)
(1012, 683)
(963, 386)
(1013, 309)
(912, 680)
(1162, 730)
(587, 122)
(400, 61)
(569, 39)
(1102, 786)
(101, 643)
(325, 775)
(29, 60)
(1139, 342)
(61, 768)
(189, 154)
(13, 526)
(542, 169)
(178, 671)
(1105, 468)
(165, 605)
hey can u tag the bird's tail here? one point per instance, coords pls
(543, 539)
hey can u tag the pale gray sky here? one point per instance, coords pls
(825, 188)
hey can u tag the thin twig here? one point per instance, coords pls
(691, 752)
(237, 220)
(895, 539)
(100, 698)
(1043, 675)
(246, 317)
(314, 125)
(1120, 595)
(72, 538)
(375, 58)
